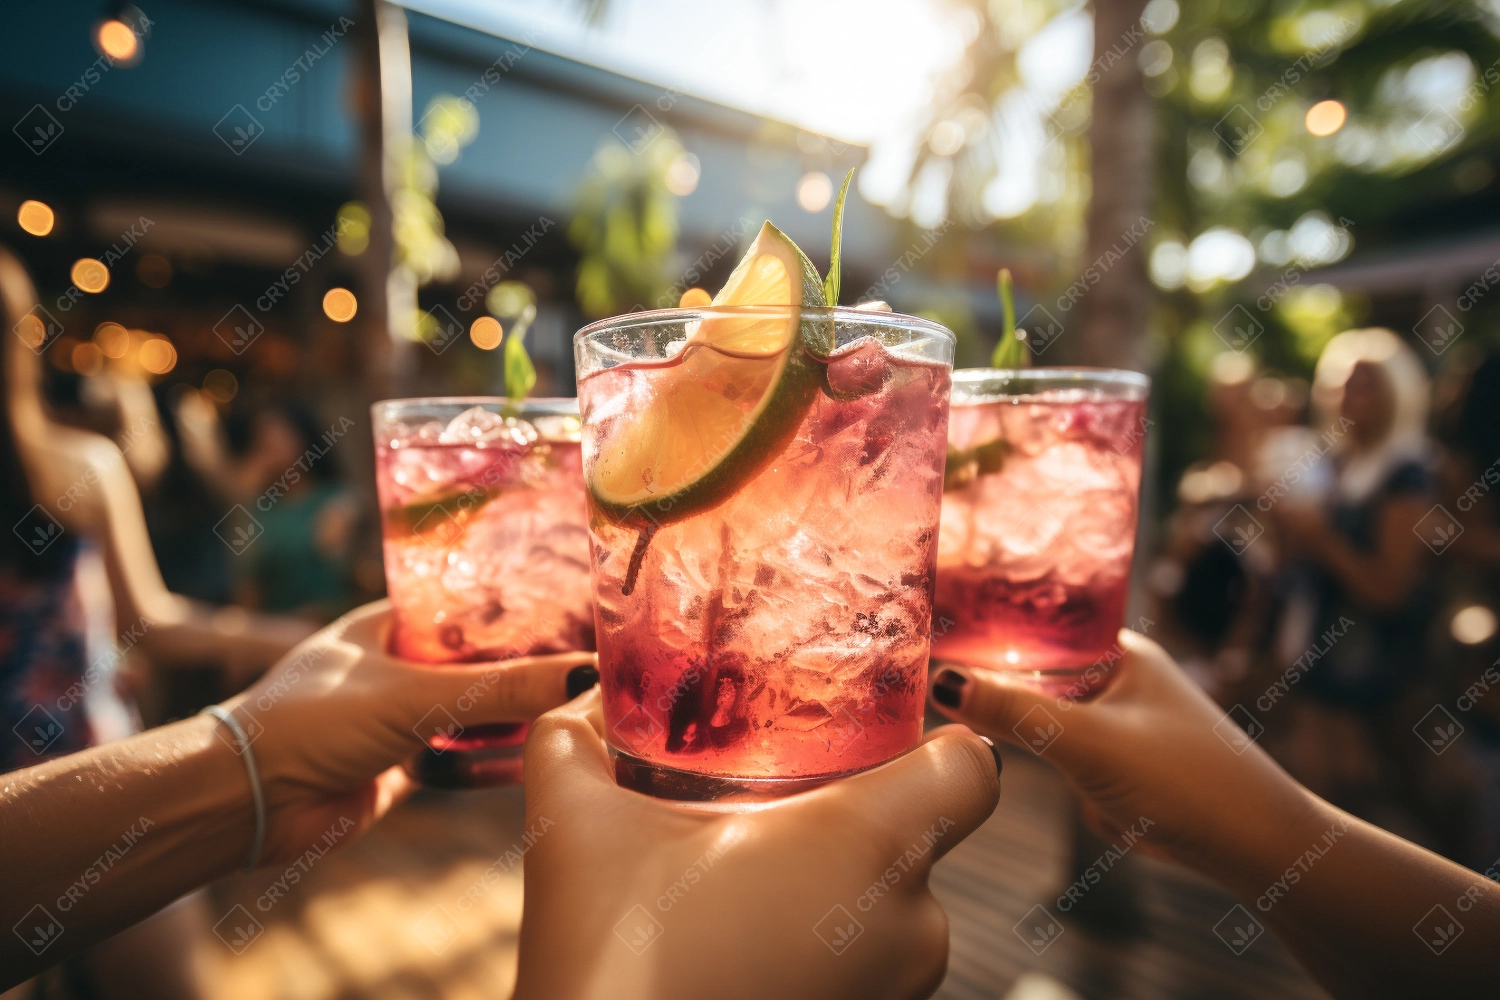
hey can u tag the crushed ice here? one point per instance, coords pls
(478, 426)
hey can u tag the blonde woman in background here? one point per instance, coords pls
(1357, 598)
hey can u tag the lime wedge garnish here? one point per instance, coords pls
(443, 514)
(712, 416)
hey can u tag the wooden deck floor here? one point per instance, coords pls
(381, 920)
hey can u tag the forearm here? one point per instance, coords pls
(98, 840)
(247, 643)
(1371, 579)
(1357, 906)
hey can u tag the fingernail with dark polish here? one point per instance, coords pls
(948, 689)
(994, 752)
(580, 679)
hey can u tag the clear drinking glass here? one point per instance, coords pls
(1040, 501)
(766, 628)
(486, 553)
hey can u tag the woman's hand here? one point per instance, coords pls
(1370, 914)
(821, 895)
(328, 726)
(331, 723)
(1151, 747)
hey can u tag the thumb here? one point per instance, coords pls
(934, 796)
(565, 750)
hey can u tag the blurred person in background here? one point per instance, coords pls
(287, 478)
(1356, 597)
(60, 688)
(181, 512)
(84, 606)
(1212, 596)
(1470, 428)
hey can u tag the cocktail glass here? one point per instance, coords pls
(1040, 501)
(486, 554)
(766, 629)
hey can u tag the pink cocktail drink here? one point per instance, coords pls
(1039, 517)
(777, 634)
(486, 552)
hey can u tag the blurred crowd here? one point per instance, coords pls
(195, 457)
(1331, 574)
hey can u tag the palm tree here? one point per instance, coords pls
(1113, 314)
(1108, 328)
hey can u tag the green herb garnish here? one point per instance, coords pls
(1011, 351)
(520, 373)
(831, 282)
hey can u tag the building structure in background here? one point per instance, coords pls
(242, 175)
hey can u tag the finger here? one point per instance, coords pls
(1064, 731)
(927, 801)
(987, 702)
(507, 691)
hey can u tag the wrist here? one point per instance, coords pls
(1276, 827)
(238, 739)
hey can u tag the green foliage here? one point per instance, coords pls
(1276, 58)
(625, 226)
(447, 125)
(1387, 188)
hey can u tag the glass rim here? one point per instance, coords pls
(414, 402)
(1136, 385)
(839, 314)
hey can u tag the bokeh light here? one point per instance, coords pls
(31, 331)
(353, 225)
(61, 353)
(509, 298)
(814, 191)
(340, 305)
(36, 217)
(90, 275)
(447, 125)
(1325, 117)
(113, 340)
(1218, 254)
(1473, 625)
(695, 298)
(115, 39)
(946, 138)
(682, 175)
(486, 333)
(220, 385)
(157, 355)
(87, 358)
